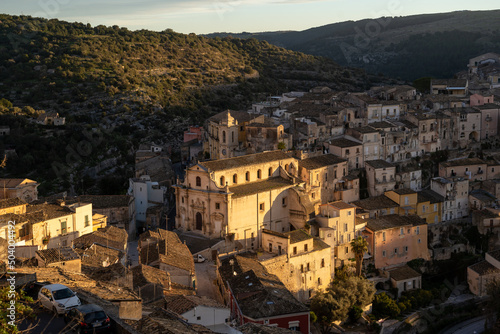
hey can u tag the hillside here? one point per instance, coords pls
(130, 87)
(436, 45)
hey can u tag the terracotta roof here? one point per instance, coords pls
(109, 236)
(382, 125)
(49, 211)
(404, 191)
(320, 161)
(106, 201)
(97, 256)
(319, 244)
(169, 250)
(482, 195)
(182, 304)
(344, 142)
(393, 221)
(298, 236)
(258, 293)
(14, 183)
(429, 195)
(54, 255)
(246, 160)
(376, 202)
(450, 82)
(403, 273)
(341, 205)
(379, 163)
(365, 129)
(143, 275)
(463, 162)
(484, 267)
(495, 254)
(408, 124)
(261, 186)
(253, 328)
(162, 321)
(240, 116)
(10, 202)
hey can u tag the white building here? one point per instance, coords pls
(146, 194)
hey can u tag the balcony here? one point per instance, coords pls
(488, 119)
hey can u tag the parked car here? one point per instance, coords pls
(89, 318)
(199, 258)
(58, 298)
(33, 288)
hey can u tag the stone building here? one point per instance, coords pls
(24, 189)
(237, 197)
(380, 175)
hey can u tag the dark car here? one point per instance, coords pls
(89, 318)
(32, 289)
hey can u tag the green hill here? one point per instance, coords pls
(410, 47)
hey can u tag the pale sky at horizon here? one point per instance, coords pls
(206, 16)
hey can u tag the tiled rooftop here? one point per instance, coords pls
(403, 273)
(54, 255)
(246, 160)
(379, 163)
(11, 202)
(484, 267)
(260, 186)
(393, 221)
(463, 162)
(344, 142)
(320, 161)
(376, 202)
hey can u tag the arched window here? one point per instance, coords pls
(198, 181)
(222, 181)
(270, 171)
(235, 178)
(223, 136)
(247, 176)
(259, 174)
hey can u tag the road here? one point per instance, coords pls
(48, 323)
(471, 326)
(205, 278)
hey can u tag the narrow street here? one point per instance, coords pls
(205, 278)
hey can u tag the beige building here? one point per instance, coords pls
(470, 168)
(24, 189)
(405, 279)
(324, 173)
(467, 125)
(226, 133)
(479, 274)
(394, 240)
(455, 87)
(380, 175)
(237, 196)
(490, 117)
(337, 227)
(456, 196)
(65, 258)
(301, 262)
(49, 225)
(370, 137)
(348, 149)
(377, 206)
(12, 205)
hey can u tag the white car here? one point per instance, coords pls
(58, 298)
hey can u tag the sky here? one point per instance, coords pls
(206, 16)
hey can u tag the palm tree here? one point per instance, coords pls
(359, 247)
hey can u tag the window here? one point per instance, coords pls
(301, 268)
(182, 200)
(261, 206)
(232, 137)
(319, 280)
(383, 253)
(347, 151)
(259, 176)
(87, 223)
(270, 171)
(423, 208)
(63, 227)
(222, 181)
(305, 247)
(401, 231)
(347, 250)
(283, 201)
(198, 181)
(322, 263)
(247, 176)
(295, 250)
(406, 248)
(407, 200)
(419, 241)
(349, 212)
(217, 206)
(308, 267)
(383, 236)
(223, 136)
(235, 178)
(435, 207)
(345, 227)
(395, 250)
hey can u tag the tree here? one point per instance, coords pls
(340, 298)
(359, 247)
(281, 145)
(18, 304)
(384, 306)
